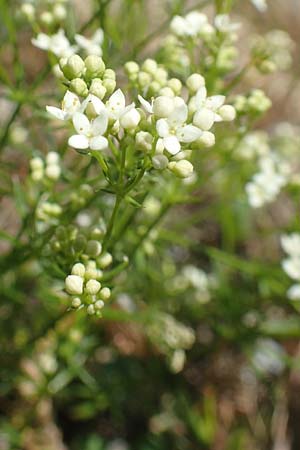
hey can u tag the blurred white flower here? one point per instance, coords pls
(190, 25)
(70, 105)
(291, 244)
(291, 266)
(293, 292)
(91, 46)
(223, 24)
(58, 44)
(260, 5)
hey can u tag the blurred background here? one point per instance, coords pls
(113, 384)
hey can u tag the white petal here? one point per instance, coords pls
(81, 123)
(162, 128)
(117, 99)
(178, 116)
(78, 141)
(56, 112)
(99, 125)
(215, 102)
(172, 145)
(42, 41)
(98, 36)
(292, 267)
(98, 104)
(98, 143)
(294, 292)
(201, 95)
(189, 133)
(70, 102)
(148, 107)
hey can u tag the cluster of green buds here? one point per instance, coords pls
(254, 104)
(46, 171)
(48, 14)
(152, 79)
(87, 76)
(84, 287)
(47, 214)
(273, 51)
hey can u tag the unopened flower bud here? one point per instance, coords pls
(95, 66)
(175, 85)
(90, 310)
(109, 85)
(105, 293)
(195, 82)
(46, 18)
(79, 243)
(160, 162)
(73, 68)
(144, 141)
(131, 68)
(76, 302)
(163, 106)
(105, 260)
(97, 88)
(99, 304)
(207, 139)
(78, 269)
(167, 92)
(150, 66)
(79, 87)
(74, 285)
(36, 163)
(93, 248)
(53, 171)
(144, 79)
(92, 287)
(227, 112)
(52, 158)
(130, 119)
(109, 74)
(161, 75)
(59, 12)
(28, 10)
(182, 169)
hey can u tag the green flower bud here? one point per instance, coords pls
(154, 88)
(79, 87)
(99, 304)
(195, 82)
(175, 85)
(207, 139)
(46, 18)
(227, 112)
(105, 260)
(74, 285)
(86, 191)
(109, 74)
(92, 287)
(166, 92)
(161, 75)
(97, 233)
(105, 293)
(150, 66)
(93, 248)
(131, 68)
(97, 88)
(91, 273)
(182, 169)
(110, 85)
(76, 302)
(73, 68)
(59, 12)
(91, 310)
(144, 79)
(78, 269)
(95, 66)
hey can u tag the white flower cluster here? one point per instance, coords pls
(85, 288)
(195, 24)
(47, 13)
(254, 144)
(201, 282)
(291, 265)
(48, 170)
(254, 104)
(268, 182)
(166, 128)
(60, 46)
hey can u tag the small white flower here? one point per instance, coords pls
(173, 130)
(190, 25)
(70, 105)
(58, 44)
(291, 244)
(91, 46)
(116, 105)
(260, 5)
(291, 266)
(223, 24)
(90, 133)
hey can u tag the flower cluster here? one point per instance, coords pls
(291, 265)
(49, 170)
(255, 104)
(273, 51)
(48, 14)
(268, 182)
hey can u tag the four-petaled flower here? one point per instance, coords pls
(173, 130)
(70, 105)
(57, 43)
(90, 133)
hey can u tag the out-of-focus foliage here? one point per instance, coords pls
(197, 346)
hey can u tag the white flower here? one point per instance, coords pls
(70, 105)
(74, 285)
(291, 266)
(223, 24)
(90, 133)
(116, 105)
(205, 109)
(291, 244)
(293, 292)
(261, 5)
(173, 130)
(190, 25)
(91, 46)
(57, 43)
(148, 107)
